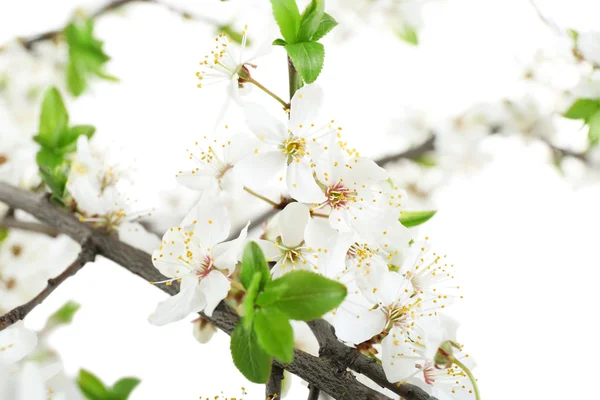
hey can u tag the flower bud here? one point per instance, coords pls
(445, 354)
(203, 330)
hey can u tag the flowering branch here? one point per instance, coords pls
(327, 373)
(88, 253)
(273, 390)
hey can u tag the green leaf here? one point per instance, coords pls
(270, 295)
(76, 76)
(311, 20)
(279, 42)
(414, 218)
(409, 34)
(56, 179)
(573, 34)
(594, 131)
(123, 388)
(287, 16)
(582, 109)
(3, 234)
(250, 298)
(275, 333)
(49, 159)
(67, 142)
(63, 315)
(308, 58)
(248, 356)
(325, 26)
(92, 387)
(306, 295)
(54, 118)
(253, 261)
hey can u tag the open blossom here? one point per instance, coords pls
(22, 380)
(287, 152)
(216, 170)
(349, 191)
(94, 185)
(302, 242)
(195, 255)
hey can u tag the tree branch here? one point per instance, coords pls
(273, 389)
(331, 347)
(13, 223)
(410, 154)
(324, 373)
(313, 392)
(88, 253)
(28, 42)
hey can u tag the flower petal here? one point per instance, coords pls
(355, 321)
(215, 287)
(399, 356)
(292, 221)
(209, 221)
(177, 307)
(261, 169)
(301, 183)
(263, 124)
(16, 342)
(306, 105)
(227, 254)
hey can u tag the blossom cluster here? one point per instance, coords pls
(340, 219)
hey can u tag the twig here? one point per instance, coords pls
(325, 373)
(87, 254)
(273, 389)
(313, 392)
(331, 347)
(410, 154)
(11, 222)
(28, 42)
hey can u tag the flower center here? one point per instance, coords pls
(360, 252)
(294, 147)
(428, 372)
(205, 266)
(338, 196)
(399, 315)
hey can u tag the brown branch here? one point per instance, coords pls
(273, 389)
(29, 42)
(88, 253)
(13, 223)
(313, 392)
(330, 347)
(329, 375)
(410, 154)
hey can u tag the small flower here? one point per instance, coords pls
(287, 153)
(216, 170)
(16, 342)
(196, 256)
(302, 242)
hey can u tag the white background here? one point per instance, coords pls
(524, 240)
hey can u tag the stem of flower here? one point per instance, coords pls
(293, 75)
(267, 91)
(237, 285)
(263, 198)
(470, 375)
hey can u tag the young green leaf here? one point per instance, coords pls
(279, 42)
(270, 295)
(92, 387)
(594, 129)
(123, 388)
(253, 261)
(275, 333)
(49, 159)
(248, 356)
(287, 16)
(325, 26)
(414, 218)
(311, 19)
(54, 118)
(582, 109)
(63, 315)
(250, 299)
(305, 295)
(409, 34)
(308, 58)
(3, 234)
(67, 143)
(76, 76)
(56, 179)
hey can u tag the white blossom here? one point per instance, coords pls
(196, 255)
